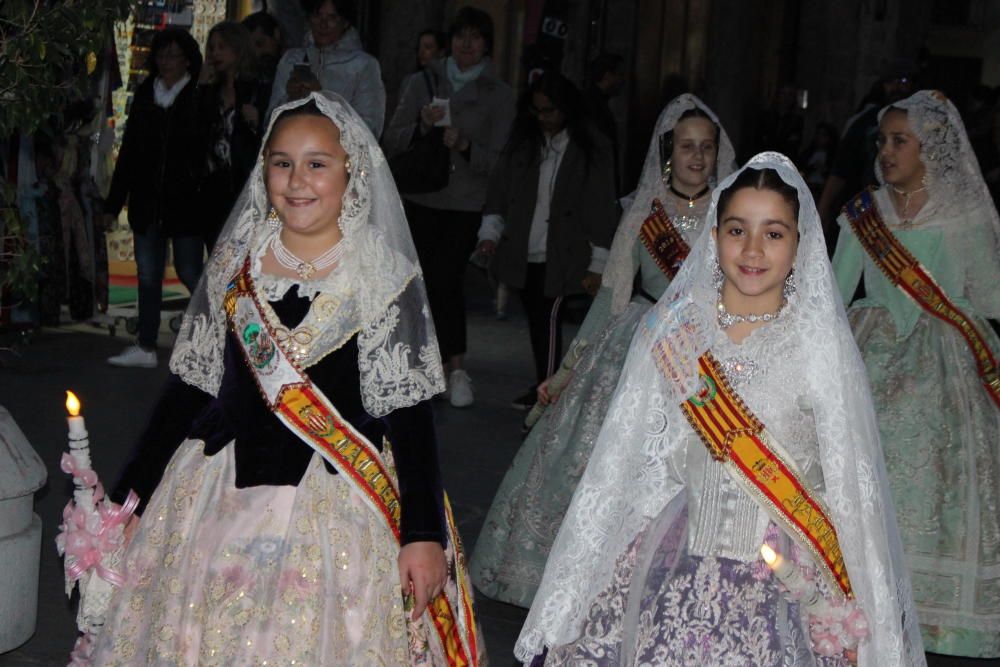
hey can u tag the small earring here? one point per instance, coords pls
(924, 180)
(347, 165)
(789, 288)
(718, 277)
(273, 221)
(665, 176)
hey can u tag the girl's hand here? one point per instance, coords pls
(852, 656)
(424, 570)
(544, 398)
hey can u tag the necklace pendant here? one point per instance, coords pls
(305, 270)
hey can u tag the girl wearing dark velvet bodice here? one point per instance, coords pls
(313, 532)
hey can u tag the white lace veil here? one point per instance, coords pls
(630, 479)
(955, 185)
(377, 291)
(620, 271)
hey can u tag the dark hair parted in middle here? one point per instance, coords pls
(567, 99)
(346, 9)
(759, 179)
(307, 109)
(667, 138)
(476, 20)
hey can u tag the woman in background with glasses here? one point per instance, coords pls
(332, 59)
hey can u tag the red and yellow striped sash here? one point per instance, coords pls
(304, 410)
(664, 243)
(445, 619)
(737, 439)
(904, 271)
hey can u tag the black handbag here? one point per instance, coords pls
(425, 165)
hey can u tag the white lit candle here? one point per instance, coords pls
(79, 443)
(804, 590)
(77, 427)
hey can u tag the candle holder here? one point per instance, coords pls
(833, 628)
(91, 537)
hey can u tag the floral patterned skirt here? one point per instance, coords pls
(267, 575)
(666, 606)
(509, 557)
(940, 433)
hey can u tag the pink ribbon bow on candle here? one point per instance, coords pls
(87, 546)
(118, 515)
(86, 476)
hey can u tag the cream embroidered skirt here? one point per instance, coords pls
(268, 575)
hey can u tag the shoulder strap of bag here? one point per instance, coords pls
(428, 82)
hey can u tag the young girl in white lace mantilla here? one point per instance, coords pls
(659, 558)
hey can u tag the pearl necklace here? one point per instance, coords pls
(727, 319)
(907, 196)
(304, 269)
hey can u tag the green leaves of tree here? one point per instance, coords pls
(43, 49)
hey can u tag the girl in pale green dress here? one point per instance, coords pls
(940, 428)
(689, 149)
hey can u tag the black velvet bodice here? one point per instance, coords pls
(268, 453)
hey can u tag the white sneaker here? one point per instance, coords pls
(460, 389)
(134, 357)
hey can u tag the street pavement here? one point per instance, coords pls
(477, 445)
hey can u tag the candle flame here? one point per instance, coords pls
(771, 558)
(72, 404)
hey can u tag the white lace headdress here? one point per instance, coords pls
(630, 479)
(620, 271)
(955, 185)
(377, 291)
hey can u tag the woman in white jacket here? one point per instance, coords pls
(332, 59)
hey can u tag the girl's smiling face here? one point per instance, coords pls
(757, 238)
(306, 175)
(694, 153)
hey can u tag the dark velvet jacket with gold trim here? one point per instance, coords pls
(267, 452)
